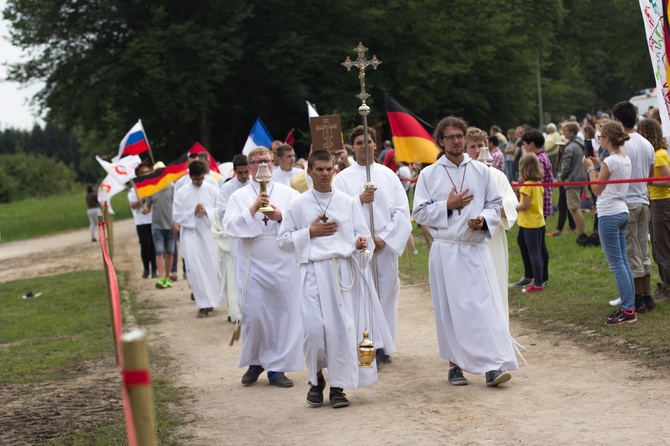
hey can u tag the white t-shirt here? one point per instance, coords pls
(641, 154)
(138, 216)
(612, 200)
(405, 174)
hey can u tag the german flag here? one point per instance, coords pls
(411, 134)
(162, 178)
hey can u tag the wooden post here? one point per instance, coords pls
(138, 381)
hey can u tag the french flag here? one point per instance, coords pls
(258, 136)
(134, 143)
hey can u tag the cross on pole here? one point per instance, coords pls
(364, 110)
(361, 63)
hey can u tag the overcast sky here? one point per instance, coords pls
(14, 98)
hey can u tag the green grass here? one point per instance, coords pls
(575, 303)
(45, 338)
(41, 216)
(68, 323)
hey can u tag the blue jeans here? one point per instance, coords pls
(612, 232)
(509, 170)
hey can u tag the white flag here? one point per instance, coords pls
(123, 170)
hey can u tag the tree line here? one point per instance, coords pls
(203, 71)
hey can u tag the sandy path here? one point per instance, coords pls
(565, 396)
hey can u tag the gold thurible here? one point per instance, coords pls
(366, 351)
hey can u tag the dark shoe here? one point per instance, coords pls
(202, 313)
(251, 376)
(338, 398)
(582, 240)
(154, 275)
(495, 377)
(174, 277)
(315, 394)
(281, 381)
(523, 282)
(649, 302)
(145, 274)
(192, 297)
(456, 377)
(383, 358)
(622, 316)
(640, 307)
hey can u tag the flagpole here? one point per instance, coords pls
(138, 194)
(364, 110)
(151, 154)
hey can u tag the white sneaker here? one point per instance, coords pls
(615, 302)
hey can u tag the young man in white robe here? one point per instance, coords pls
(267, 278)
(225, 243)
(286, 169)
(192, 209)
(474, 142)
(325, 231)
(458, 200)
(392, 225)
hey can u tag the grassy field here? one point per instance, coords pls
(42, 216)
(48, 338)
(575, 303)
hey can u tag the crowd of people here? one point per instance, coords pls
(306, 257)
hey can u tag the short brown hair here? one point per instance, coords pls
(358, 131)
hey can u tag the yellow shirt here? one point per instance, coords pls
(661, 158)
(533, 217)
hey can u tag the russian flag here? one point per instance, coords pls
(134, 143)
(259, 136)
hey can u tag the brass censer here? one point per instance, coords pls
(366, 351)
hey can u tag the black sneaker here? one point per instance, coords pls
(456, 377)
(523, 282)
(145, 274)
(649, 302)
(251, 376)
(382, 357)
(495, 377)
(281, 381)
(640, 307)
(622, 316)
(338, 398)
(315, 394)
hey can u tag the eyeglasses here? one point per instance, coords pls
(452, 137)
(259, 162)
(601, 136)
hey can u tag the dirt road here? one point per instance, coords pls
(566, 395)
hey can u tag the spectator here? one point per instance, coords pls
(573, 171)
(93, 210)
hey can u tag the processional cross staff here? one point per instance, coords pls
(364, 110)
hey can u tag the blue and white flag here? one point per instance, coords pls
(258, 136)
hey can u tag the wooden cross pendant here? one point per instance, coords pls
(324, 218)
(265, 219)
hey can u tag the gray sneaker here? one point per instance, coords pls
(456, 377)
(495, 377)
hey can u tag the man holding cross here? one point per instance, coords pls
(392, 225)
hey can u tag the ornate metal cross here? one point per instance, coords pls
(361, 63)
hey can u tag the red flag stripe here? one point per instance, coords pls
(403, 124)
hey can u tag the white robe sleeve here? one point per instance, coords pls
(426, 211)
(238, 221)
(397, 231)
(183, 210)
(509, 203)
(492, 204)
(361, 229)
